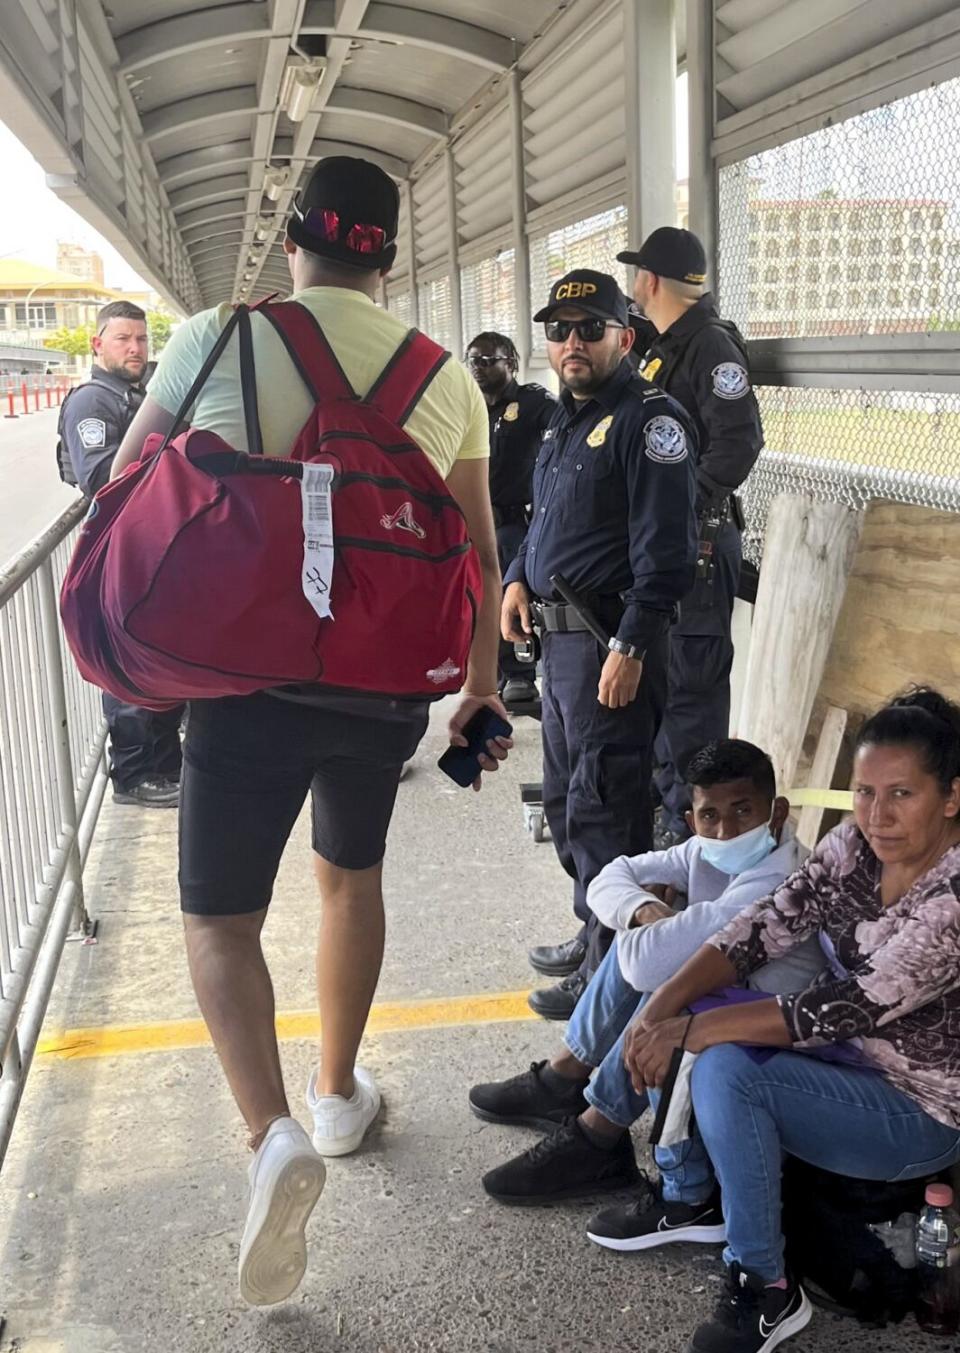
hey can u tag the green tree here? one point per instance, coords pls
(74, 342)
(160, 327)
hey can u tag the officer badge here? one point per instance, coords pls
(730, 380)
(599, 434)
(651, 369)
(665, 440)
(511, 413)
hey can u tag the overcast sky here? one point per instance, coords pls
(36, 218)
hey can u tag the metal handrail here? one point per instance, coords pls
(52, 779)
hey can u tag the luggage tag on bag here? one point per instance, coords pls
(317, 499)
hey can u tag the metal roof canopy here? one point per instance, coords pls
(157, 120)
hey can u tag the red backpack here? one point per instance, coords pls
(190, 575)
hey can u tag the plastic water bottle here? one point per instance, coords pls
(938, 1262)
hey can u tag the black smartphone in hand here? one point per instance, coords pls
(462, 764)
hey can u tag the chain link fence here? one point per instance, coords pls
(593, 242)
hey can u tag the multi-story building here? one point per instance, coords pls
(34, 301)
(79, 262)
(820, 265)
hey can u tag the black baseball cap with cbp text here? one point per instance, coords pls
(595, 293)
(348, 211)
(670, 252)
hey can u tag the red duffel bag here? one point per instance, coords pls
(203, 571)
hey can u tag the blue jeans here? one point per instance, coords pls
(839, 1118)
(595, 1035)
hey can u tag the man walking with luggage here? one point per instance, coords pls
(144, 744)
(250, 762)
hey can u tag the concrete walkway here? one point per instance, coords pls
(123, 1195)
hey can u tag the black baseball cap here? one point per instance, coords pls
(670, 252)
(348, 211)
(597, 293)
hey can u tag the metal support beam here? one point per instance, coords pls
(190, 32)
(521, 246)
(700, 94)
(412, 251)
(453, 253)
(418, 28)
(174, 117)
(649, 74)
(925, 362)
(415, 117)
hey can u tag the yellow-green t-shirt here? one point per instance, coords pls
(449, 423)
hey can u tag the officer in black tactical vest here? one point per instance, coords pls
(144, 744)
(701, 361)
(519, 416)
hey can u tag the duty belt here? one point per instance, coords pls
(558, 618)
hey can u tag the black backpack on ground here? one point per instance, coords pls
(850, 1241)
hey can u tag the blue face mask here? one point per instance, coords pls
(741, 852)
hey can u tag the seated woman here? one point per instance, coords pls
(883, 894)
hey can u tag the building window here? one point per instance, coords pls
(834, 246)
(853, 272)
(769, 300)
(773, 222)
(873, 298)
(916, 220)
(753, 247)
(813, 248)
(874, 246)
(833, 300)
(894, 272)
(813, 272)
(752, 299)
(916, 298)
(793, 299)
(773, 249)
(896, 246)
(836, 221)
(894, 298)
(793, 272)
(813, 300)
(916, 246)
(793, 220)
(855, 247)
(42, 316)
(772, 274)
(834, 272)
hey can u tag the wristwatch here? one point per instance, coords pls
(618, 646)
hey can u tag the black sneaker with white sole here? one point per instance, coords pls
(752, 1317)
(650, 1221)
(525, 1101)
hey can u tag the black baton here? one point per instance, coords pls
(559, 584)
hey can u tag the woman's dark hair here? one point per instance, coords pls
(500, 341)
(728, 759)
(926, 720)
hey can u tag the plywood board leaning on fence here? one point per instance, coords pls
(900, 620)
(808, 553)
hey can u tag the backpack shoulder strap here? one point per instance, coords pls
(309, 350)
(402, 382)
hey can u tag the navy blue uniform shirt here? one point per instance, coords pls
(517, 423)
(701, 361)
(614, 493)
(92, 423)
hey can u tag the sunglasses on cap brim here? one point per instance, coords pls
(323, 223)
(587, 330)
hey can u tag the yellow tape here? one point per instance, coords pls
(111, 1040)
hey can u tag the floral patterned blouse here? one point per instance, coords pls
(892, 984)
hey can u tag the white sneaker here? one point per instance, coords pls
(341, 1124)
(286, 1179)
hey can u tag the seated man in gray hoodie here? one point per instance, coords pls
(742, 850)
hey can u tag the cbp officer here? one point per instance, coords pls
(701, 361)
(613, 512)
(519, 416)
(144, 744)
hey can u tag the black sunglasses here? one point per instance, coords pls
(588, 330)
(478, 359)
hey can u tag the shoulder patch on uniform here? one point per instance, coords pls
(665, 440)
(93, 432)
(730, 380)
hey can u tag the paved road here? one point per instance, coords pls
(31, 493)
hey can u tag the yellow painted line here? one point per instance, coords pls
(385, 1018)
(822, 798)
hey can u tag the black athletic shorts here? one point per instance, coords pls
(248, 763)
